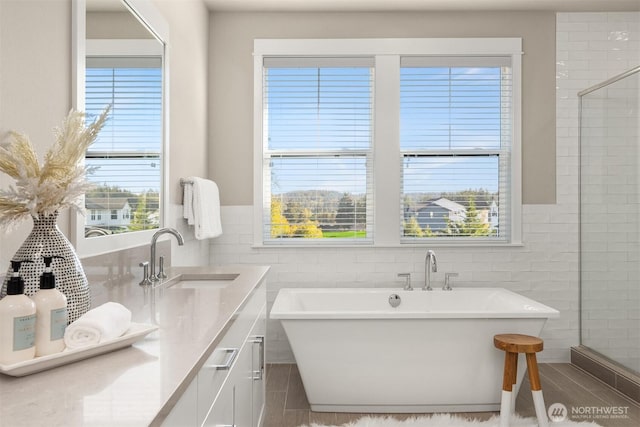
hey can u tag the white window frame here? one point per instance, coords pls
(386, 126)
(151, 18)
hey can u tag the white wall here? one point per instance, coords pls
(35, 85)
(35, 94)
(545, 268)
(188, 68)
(592, 47)
(231, 80)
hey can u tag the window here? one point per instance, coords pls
(455, 140)
(114, 214)
(317, 149)
(429, 129)
(126, 157)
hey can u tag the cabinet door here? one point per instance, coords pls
(221, 412)
(217, 370)
(257, 339)
(232, 406)
(213, 375)
(242, 377)
(231, 384)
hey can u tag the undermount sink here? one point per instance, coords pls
(204, 281)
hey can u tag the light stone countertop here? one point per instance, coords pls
(137, 385)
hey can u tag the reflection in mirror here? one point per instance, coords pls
(124, 69)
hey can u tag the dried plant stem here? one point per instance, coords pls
(56, 184)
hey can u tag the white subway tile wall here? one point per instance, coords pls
(590, 48)
(610, 179)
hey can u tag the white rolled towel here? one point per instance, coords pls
(103, 323)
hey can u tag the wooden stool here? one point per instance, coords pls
(512, 344)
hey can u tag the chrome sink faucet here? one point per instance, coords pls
(430, 265)
(152, 262)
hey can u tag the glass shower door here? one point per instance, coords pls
(610, 220)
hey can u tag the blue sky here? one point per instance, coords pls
(330, 108)
(134, 126)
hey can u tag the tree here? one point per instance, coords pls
(308, 228)
(104, 191)
(326, 218)
(346, 212)
(361, 213)
(141, 220)
(294, 212)
(472, 226)
(412, 228)
(279, 224)
(153, 200)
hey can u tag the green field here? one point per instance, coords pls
(344, 234)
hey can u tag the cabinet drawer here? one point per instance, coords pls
(216, 369)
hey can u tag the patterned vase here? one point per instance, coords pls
(46, 239)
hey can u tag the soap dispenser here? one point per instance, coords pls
(51, 313)
(17, 321)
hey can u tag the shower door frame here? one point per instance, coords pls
(596, 355)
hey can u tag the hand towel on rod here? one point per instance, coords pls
(187, 202)
(206, 209)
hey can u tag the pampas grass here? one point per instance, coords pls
(57, 183)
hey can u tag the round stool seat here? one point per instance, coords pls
(517, 343)
(512, 344)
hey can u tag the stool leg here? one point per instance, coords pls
(536, 390)
(510, 366)
(514, 380)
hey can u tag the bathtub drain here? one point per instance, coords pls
(394, 300)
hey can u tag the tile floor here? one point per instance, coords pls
(287, 405)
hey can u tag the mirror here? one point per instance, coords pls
(120, 62)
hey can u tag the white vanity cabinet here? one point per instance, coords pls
(229, 388)
(231, 406)
(184, 412)
(257, 340)
(240, 401)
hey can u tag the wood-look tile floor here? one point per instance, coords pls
(287, 405)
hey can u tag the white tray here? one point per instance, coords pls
(136, 332)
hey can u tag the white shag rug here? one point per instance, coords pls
(448, 420)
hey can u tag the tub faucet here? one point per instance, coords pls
(430, 264)
(152, 262)
(447, 281)
(407, 281)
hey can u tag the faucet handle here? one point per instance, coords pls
(407, 283)
(447, 281)
(161, 273)
(145, 274)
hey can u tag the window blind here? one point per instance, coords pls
(317, 142)
(455, 142)
(126, 158)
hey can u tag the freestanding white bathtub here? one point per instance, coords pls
(434, 352)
